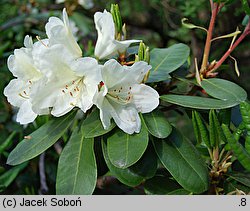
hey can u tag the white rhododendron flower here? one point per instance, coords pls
(121, 95)
(60, 32)
(69, 79)
(68, 83)
(87, 4)
(52, 76)
(22, 66)
(106, 45)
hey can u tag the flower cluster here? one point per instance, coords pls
(52, 77)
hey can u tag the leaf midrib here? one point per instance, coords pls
(43, 138)
(204, 182)
(157, 67)
(219, 87)
(78, 164)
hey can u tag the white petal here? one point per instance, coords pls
(106, 34)
(12, 91)
(28, 43)
(54, 62)
(126, 118)
(145, 98)
(85, 100)
(25, 114)
(22, 65)
(87, 66)
(115, 75)
(59, 32)
(121, 46)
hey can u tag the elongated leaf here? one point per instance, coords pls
(8, 177)
(7, 142)
(166, 60)
(203, 129)
(77, 170)
(224, 90)
(157, 124)
(190, 25)
(126, 176)
(198, 102)
(212, 129)
(245, 113)
(219, 132)
(124, 150)
(243, 178)
(147, 165)
(92, 125)
(246, 6)
(238, 149)
(197, 132)
(183, 161)
(160, 185)
(40, 140)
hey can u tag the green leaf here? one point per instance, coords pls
(126, 176)
(246, 6)
(197, 132)
(228, 95)
(124, 150)
(8, 177)
(183, 162)
(166, 60)
(40, 140)
(92, 125)
(198, 102)
(7, 142)
(157, 124)
(190, 25)
(238, 149)
(147, 165)
(203, 129)
(243, 178)
(77, 170)
(224, 90)
(160, 185)
(212, 129)
(219, 132)
(245, 113)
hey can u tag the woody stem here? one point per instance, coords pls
(215, 11)
(229, 51)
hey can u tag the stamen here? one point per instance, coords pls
(23, 96)
(38, 38)
(63, 91)
(71, 94)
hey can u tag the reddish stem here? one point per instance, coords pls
(229, 51)
(215, 9)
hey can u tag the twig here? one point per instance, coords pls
(215, 10)
(43, 185)
(229, 51)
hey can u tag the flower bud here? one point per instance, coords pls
(117, 20)
(143, 53)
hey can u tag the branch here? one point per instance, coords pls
(215, 10)
(43, 185)
(231, 48)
